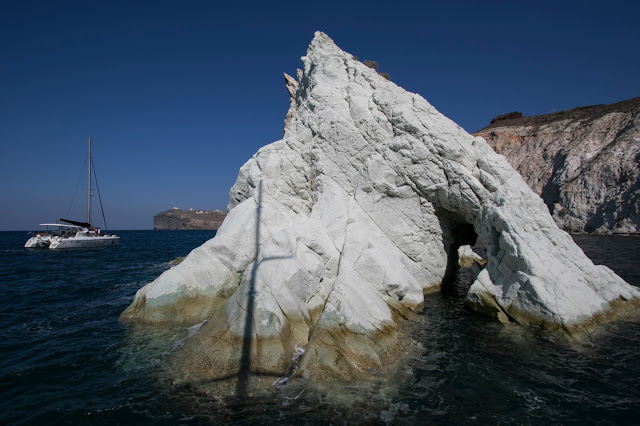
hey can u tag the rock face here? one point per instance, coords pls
(338, 230)
(177, 219)
(584, 163)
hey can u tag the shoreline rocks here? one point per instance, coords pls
(583, 162)
(179, 219)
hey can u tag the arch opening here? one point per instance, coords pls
(459, 273)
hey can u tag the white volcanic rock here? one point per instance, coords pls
(336, 231)
(467, 257)
(292, 87)
(584, 163)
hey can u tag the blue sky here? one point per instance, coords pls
(177, 95)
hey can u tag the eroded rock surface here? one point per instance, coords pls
(584, 163)
(338, 230)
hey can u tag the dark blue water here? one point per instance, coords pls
(65, 358)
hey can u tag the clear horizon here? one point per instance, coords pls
(178, 96)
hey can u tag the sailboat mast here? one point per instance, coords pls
(89, 191)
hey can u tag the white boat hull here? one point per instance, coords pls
(38, 241)
(81, 241)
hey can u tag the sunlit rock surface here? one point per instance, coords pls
(467, 257)
(338, 230)
(583, 162)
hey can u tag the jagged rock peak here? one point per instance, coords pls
(337, 231)
(292, 87)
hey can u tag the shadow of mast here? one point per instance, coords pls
(244, 372)
(245, 360)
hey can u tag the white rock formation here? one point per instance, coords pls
(467, 257)
(337, 231)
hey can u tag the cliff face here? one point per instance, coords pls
(584, 163)
(177, 219)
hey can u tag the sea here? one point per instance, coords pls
(66, 359)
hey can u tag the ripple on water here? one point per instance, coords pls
(67, 359)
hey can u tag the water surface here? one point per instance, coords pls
(67, 359)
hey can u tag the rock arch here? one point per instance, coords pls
(359, 204)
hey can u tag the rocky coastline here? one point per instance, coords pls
(583, 162)
(179, 219)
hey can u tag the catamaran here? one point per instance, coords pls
(74, 234)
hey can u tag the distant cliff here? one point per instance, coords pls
(177, 219)
(583, 162)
